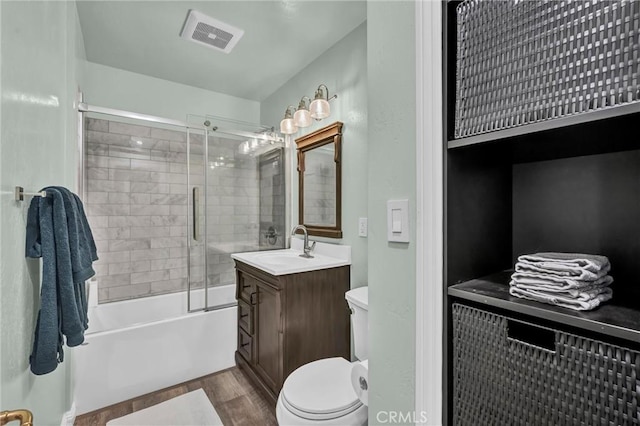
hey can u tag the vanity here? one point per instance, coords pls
(291, 311)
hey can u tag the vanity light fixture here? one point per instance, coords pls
(302, 117)
(287, 125)
(319, 107)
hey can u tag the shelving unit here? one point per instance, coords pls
(610, 319)
(542, 126)
(569, 184)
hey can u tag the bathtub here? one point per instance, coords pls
(139, 346)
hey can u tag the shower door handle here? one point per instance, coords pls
(196, 209)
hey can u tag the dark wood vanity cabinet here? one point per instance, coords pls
(289, 320)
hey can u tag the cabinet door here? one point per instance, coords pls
(267, 336)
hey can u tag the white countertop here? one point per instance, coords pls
(288, 261)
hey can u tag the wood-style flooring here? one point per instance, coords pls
(236, 401)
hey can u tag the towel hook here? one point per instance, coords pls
(20, 194)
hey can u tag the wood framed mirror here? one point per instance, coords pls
(320, 181)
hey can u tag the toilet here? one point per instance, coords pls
(320, 392)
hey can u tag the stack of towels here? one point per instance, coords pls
(571, 280)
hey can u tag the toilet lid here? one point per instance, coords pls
(321, 389)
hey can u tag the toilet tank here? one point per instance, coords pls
(358, 300)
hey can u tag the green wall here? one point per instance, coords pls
(115, 88)
(392, 175)
(343, 69)
(374, 77)
(38, 148)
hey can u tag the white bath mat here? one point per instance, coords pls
(193, 408)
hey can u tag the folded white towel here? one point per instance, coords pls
(560, 271)
(562, 283)
(575, 265)
(555, 290)
(583, 303)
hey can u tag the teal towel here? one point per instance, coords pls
(58, 231)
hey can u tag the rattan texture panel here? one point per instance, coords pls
(520, 62)
(498, 380)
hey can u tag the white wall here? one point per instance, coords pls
(115, 88)
(391, 68)
(343, 69)
(38, 148)
(429, 214)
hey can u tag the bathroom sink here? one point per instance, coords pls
(284, 258)
(289, 261)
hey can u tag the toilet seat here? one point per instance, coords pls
(320, 390)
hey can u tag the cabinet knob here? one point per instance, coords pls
(251, 300)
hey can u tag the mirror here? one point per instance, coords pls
(319, 181)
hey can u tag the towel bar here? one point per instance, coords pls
(20, 194)
(25, 417)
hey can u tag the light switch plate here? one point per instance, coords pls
(398, 221)
(363, 227)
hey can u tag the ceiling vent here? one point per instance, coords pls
(210, 32)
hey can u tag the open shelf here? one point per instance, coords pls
(609, 319)
(568, 184)
(542, 126)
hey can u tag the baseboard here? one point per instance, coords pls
(69, 417)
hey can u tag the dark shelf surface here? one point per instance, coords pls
(609, 319)
(541, 126)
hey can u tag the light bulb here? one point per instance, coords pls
(244, 147)
(287, 126)
(302, 118)
(319, 107)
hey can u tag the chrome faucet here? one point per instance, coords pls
(305, 248)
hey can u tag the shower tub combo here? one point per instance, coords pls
(168, 202)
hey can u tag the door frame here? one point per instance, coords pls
(429, 396)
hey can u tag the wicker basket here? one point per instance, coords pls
(520, 62)
(500, 380)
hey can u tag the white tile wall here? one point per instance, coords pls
(129, 199)
(137, 203)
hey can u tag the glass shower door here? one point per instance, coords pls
(236, 202)
(197, 288)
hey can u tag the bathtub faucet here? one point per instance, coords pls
(305, 248)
